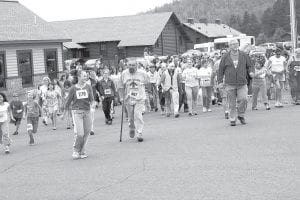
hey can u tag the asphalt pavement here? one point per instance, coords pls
(185, 158)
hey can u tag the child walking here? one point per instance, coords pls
(52, 103)
(17, 109)
(5, 116)
(65, 93)
(107, 91)
(259, 82)
(205, 75)
(32, 112)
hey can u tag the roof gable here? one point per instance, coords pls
(17, 23)
(213, 30)
(134, 30)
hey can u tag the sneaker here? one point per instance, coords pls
(209, 110)
(204, 110)
(226, 115)
(254, 108)
(68, 127)
(31, 141)
(232, 123)
(242, 120)
(83, 155)
(109, 122)
(75, 155)
(140, 137)
(44, 122)
(54, 128)
(176, 115)
(132, 133)
(280, 105)
(195, 113)
(190, 114)
(156, 109)
(6, 149)
(297, 103)
(267, 106)
(92, 133)
(15, 133)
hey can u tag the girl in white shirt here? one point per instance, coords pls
(5, 116)
(190, 77)
(205, 74)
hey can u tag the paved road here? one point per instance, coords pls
(188, 158)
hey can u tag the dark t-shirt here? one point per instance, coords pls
(17, 108)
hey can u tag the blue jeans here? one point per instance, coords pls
(237, 95)
(82, 122)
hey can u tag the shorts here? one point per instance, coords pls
(278, 77)
(32, 124)
(17, 121)
(52, 109)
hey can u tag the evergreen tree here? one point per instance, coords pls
(246, 23)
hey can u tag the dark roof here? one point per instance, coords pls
(19, 24)
(213, 30)
(134, 30)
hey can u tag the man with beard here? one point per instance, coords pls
(133, 94)
(235, 66)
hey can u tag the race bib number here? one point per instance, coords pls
(107, 91)
(152, 79)
(82, 94)
(205, 82)
(29, 127)
(133, 93)
(297, 68)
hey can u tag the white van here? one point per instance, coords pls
(243, 40)
(205, 48)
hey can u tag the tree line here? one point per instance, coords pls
(273, 25)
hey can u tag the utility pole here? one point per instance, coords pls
(294, 37)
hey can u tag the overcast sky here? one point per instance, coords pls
(53, 10)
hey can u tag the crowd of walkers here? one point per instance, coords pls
(173, 85)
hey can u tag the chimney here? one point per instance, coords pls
(203, 20)
(218, 21)
(190, 20)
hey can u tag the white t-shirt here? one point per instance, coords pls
(154, 77)
(205, 76)
(4, 112)
(190, 76)
(277, 64)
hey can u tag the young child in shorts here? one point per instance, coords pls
(17, 109)
(33, 113)
(52, 103)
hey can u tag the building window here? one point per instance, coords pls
(180, 40)
(198, 41)
(74, 53)
(103, 49)
(157, 44)
(51, 63)
(85, 53)
(25, 67)
(2, 70)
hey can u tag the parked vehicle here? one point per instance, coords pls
(269, 46)
(71, 63)
(205, 48)
(221, 43)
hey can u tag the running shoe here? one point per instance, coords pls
(83, 155)
(140, 137)
(6, 149)
(92, 133)
(15, 133)
(132, 133)
(242, 120)
(75, 155)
